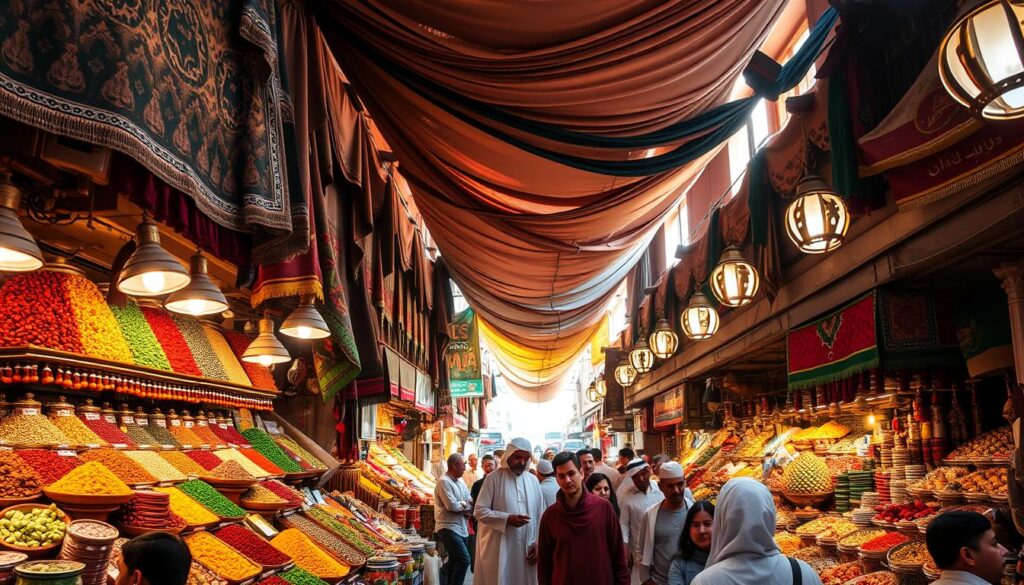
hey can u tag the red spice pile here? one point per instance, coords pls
(884, 542)
(173, 342)
(284, 492)
(205, 458)
(252, 546)
(48, 465)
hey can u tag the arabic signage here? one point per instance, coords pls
(463, 356)
(669, 408)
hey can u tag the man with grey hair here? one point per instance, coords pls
(452, 506)
(508, 515)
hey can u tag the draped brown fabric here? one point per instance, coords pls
(538, 248)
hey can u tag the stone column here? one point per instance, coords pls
(1012, 275)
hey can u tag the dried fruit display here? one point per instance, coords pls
(916, 510)
(144, 347)
(17, 478)
(825, 524)
(840, 574)
(807, 474)
(913, 553)
(860, 537)
(166, 331)
(983, 481)
(876, 578)
(788, 543)
(837, 465)
(938, 478)
(993, 444)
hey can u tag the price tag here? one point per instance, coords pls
(65, 452)
(92, 416)
(271, 427)
(119, 445)
(64, 412)
(189, 424)
(199, 529)
(29, 411)
(6, 448)
(128, 419)
(142, 422)
(110, 419)
(174, 422)
(161, 423)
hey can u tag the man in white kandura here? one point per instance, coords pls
(508, 513)
(636, 495)
(548, 485)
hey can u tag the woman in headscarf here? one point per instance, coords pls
(599, 485)
(743, 551)
(694, 544)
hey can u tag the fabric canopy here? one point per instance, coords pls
(537, 245)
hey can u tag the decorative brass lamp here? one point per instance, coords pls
(266, 350)
(699, 319)
(641, 357)
(201, 296)
(734, 281)
(305, 322)
(625, 375)
(150, 271)
(18, 249)
(664, 341)
(817, 219)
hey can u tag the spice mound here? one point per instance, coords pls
(30, 429)
(48, 465)
(262, 442)
(258, 494)
(884, 542)
(914, 553)
(17, 478)
(211, 499)
(307, 555)
(220, 558)
(252, 546)
(156, 465)
(231, 470)
(284, 492)
(36, 528)
(183, 463)
(188, 509)
(125, 468)
(299, 576)
(91, 479)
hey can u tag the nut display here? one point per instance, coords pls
(938, 478)
(914, 553)
(17, 478)
(36, 528)
(840, 574)
(996, 444)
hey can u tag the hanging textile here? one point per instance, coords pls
(193, 91)
(894, 330)
(930, 147)
(984, 331)
(500, 212)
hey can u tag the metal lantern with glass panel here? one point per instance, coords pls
(699, 319)
(601, 386)
(734, 281)
(150, 271)
(266, 350)
(981, 60)
(18, 249)
(663, 341)
(201, 296)
(817, 219)
(305, 322)
(625, 374)
(641, 357)
(592, 392)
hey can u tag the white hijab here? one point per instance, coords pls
(743, 549)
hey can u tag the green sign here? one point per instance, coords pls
(464, 356)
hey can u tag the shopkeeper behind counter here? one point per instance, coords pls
(157, 558)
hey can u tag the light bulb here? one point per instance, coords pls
(303, 332)
(871, 420)
(266, 360)
(154, 282)
(195, 306)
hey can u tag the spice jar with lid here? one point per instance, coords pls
(381, 571)
(49, 573)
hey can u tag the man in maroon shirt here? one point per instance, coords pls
(580, 537)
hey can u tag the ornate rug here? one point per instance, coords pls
(190, 89)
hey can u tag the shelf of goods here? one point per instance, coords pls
(853, 522)
(59, 333)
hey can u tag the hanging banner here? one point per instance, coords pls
(615, 399)
(834, 347)
(669, 408)
(463, 356)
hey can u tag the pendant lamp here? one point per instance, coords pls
(641, 357)
(592, 392)
(601, 386)
(18, 249)
(699, 319)
(734, 281)
(150, 271)
(981, 60)
(201, 296)
(625, 375)
(663, 341)
(266, 350)
(817, 219)
(305, 322)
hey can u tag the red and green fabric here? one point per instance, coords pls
(834, 347)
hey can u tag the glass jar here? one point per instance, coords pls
(49, 573)
(381, 571)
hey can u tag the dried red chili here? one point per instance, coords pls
(885, 542)
(205, 458)
(251, 545)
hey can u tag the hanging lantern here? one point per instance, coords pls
(625, 375)
(601, 386)
(981, 60)
(305, 322)
(734, 281)
(150, 271)
(18, 249)
(699, 319)
(201, 296)
(266, 350)
(663, 341)
(592, 392)
(817, 219)
(641, 357)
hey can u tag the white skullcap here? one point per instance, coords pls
(670, 470)
(544, 467)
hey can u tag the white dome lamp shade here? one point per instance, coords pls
(201, 296)
(150, 271)
(18, 249)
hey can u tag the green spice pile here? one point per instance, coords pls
(140, 435)
(211, 499)
(162, 435)
(202, 351)
(350, 535)
(268, 448)
(306, 455)
(299, 576)
(146, 350)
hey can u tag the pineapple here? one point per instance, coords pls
(807, 474)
